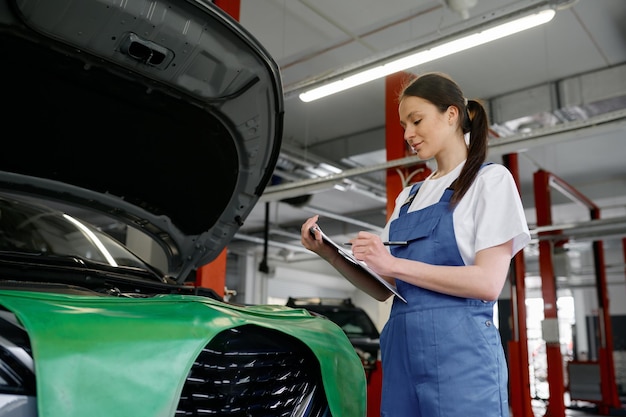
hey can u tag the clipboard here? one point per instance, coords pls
(347, 254)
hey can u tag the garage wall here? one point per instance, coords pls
(288, 282)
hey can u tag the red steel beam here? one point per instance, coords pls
(544, 181)
(519, 378)
(398, 178)
(556, 386)
(213, 275)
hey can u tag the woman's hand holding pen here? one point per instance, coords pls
(368, 247)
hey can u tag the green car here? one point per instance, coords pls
(143, 134)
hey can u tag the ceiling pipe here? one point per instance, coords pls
(511, 144)
(279, 192)
(312, 162)
(345, 219)
(585, 230)
(273, 243)
(606, 122)
(588, 230)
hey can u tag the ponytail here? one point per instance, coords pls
(476, 124)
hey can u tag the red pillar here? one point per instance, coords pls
(213, 275)
(395, 144)
(519, 379)
(232, 7)
(610, 399)
(556, 386)
(374, 387)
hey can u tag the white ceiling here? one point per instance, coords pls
(583, 49)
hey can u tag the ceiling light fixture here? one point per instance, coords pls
(431, 54)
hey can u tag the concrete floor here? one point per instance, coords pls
(579, 409)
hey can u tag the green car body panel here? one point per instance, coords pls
(82, 342)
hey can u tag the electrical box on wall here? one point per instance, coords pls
(550, 330)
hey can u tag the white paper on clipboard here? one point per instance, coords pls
(347, 254)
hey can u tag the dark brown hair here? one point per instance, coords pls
(443, 92)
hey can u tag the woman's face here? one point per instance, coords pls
(426, 130)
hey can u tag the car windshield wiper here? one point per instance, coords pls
(77, 264)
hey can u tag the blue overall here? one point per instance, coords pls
(442, 355)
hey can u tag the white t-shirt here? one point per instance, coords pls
(489, 214)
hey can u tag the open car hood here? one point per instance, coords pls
(167, 118)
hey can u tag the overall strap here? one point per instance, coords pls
(446, 195)
(407, 203)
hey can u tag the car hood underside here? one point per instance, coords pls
(181, 150)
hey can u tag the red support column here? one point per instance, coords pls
(519, 378)
(213, 275)
(556, 404)
(232, 7)
(398, 178)
(374, 387)
(610, 399)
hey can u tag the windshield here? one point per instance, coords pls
(354, 323)
(28, 228)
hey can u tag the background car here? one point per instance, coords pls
(138, 138)
(353, 320)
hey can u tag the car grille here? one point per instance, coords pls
(252, 372)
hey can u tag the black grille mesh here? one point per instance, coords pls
(253, 372)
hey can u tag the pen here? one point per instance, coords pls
(392, 243)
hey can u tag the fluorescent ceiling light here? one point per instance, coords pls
(431, 54)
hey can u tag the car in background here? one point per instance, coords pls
(353, 320)
(138, 138)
